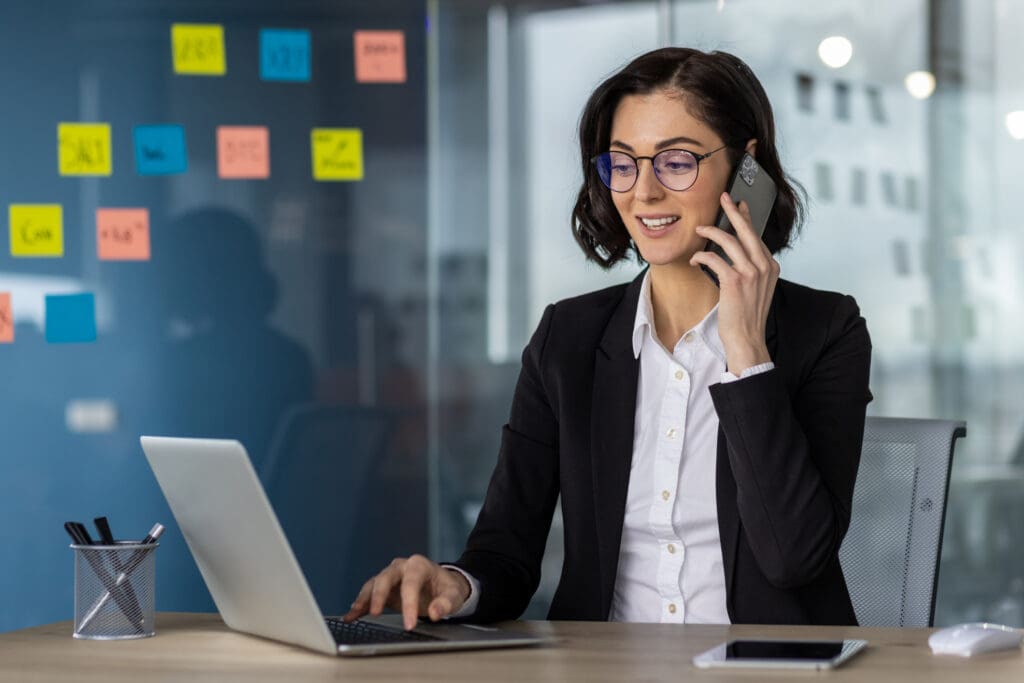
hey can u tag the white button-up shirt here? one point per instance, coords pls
(670, 558)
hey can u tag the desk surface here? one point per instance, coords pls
(198, 647)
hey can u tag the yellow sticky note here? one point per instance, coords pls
(84, 148)
(337, 153)
(198, 49)
(36, 229)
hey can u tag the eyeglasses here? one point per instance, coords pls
(676, 169)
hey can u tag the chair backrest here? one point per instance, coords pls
(890, 556)
(317, 477)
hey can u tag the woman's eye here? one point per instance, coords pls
(678, 167)
(622, 169)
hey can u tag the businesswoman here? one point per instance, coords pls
(704, 439)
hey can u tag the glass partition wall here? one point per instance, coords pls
(902, 121)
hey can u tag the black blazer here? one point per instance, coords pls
(788, 448)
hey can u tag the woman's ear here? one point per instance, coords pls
(751, 148)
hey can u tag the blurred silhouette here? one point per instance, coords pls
(224, 371)
(229, 373)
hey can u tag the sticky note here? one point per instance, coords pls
(84, 148)
(70, 318)
(380, 56)
(198, 49)
(160, 150)
(337, 153)
(243, 152)
(36, 229)
(6, 319)
(284, 55)
(122, 234)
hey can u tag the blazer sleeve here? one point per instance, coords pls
(505, 548)
(794, 453)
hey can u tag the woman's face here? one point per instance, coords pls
(662, 221)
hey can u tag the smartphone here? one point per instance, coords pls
(779, 654)
(751, 184)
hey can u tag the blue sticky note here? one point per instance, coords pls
(160, 150)
(70, 318)
(284, 54)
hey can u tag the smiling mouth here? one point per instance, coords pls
(658, 223)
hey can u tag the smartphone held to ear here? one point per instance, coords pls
(751, 184)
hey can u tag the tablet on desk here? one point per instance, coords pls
(780, 654)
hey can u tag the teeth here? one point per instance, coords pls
(659, 222)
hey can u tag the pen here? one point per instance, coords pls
(103, 527)
(107, 536)
(134, 561)
(80, 536)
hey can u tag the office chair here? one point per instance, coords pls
(317, 475)
(890, 556)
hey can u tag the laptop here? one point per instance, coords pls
(251, 571)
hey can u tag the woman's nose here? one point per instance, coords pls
(648, 187)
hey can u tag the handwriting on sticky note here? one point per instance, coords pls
(122, 234)
(337, 154)
(6, 319)
(198, 49)
(160, 150)
(36, 230)
(284, 55)
(84, 148)
(243, 152)
(380, 56)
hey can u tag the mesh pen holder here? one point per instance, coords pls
(115, 589)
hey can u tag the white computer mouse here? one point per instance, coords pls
(971, 639)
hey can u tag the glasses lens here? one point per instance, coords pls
(676, 168)
(617, 170)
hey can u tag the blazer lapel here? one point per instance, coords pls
(613, 413)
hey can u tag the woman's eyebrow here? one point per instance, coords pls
(665, 144)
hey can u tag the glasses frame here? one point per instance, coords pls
(636, 162)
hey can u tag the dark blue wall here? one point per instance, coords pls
(257, 317)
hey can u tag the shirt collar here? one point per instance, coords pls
(643, 324)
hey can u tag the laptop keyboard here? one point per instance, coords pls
(363, 633)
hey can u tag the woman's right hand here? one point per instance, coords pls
(415, 586)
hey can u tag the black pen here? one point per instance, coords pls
(107, 537)
(102, 526)
(83, 533)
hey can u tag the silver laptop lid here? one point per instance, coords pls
(236, 540)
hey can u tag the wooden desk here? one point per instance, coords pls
(198, 647)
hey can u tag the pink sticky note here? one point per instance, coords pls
(380, 56)
(6, 319)
(243, 152)
(122, 234)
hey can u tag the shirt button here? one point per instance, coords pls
(679, 374)
(665, 494)
(672, 608)
(689, 337)
(671, 549)
(671, 433)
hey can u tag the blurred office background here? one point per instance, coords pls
(362, 339)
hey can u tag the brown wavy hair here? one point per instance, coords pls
(718, 88)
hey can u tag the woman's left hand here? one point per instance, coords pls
(746, 286)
